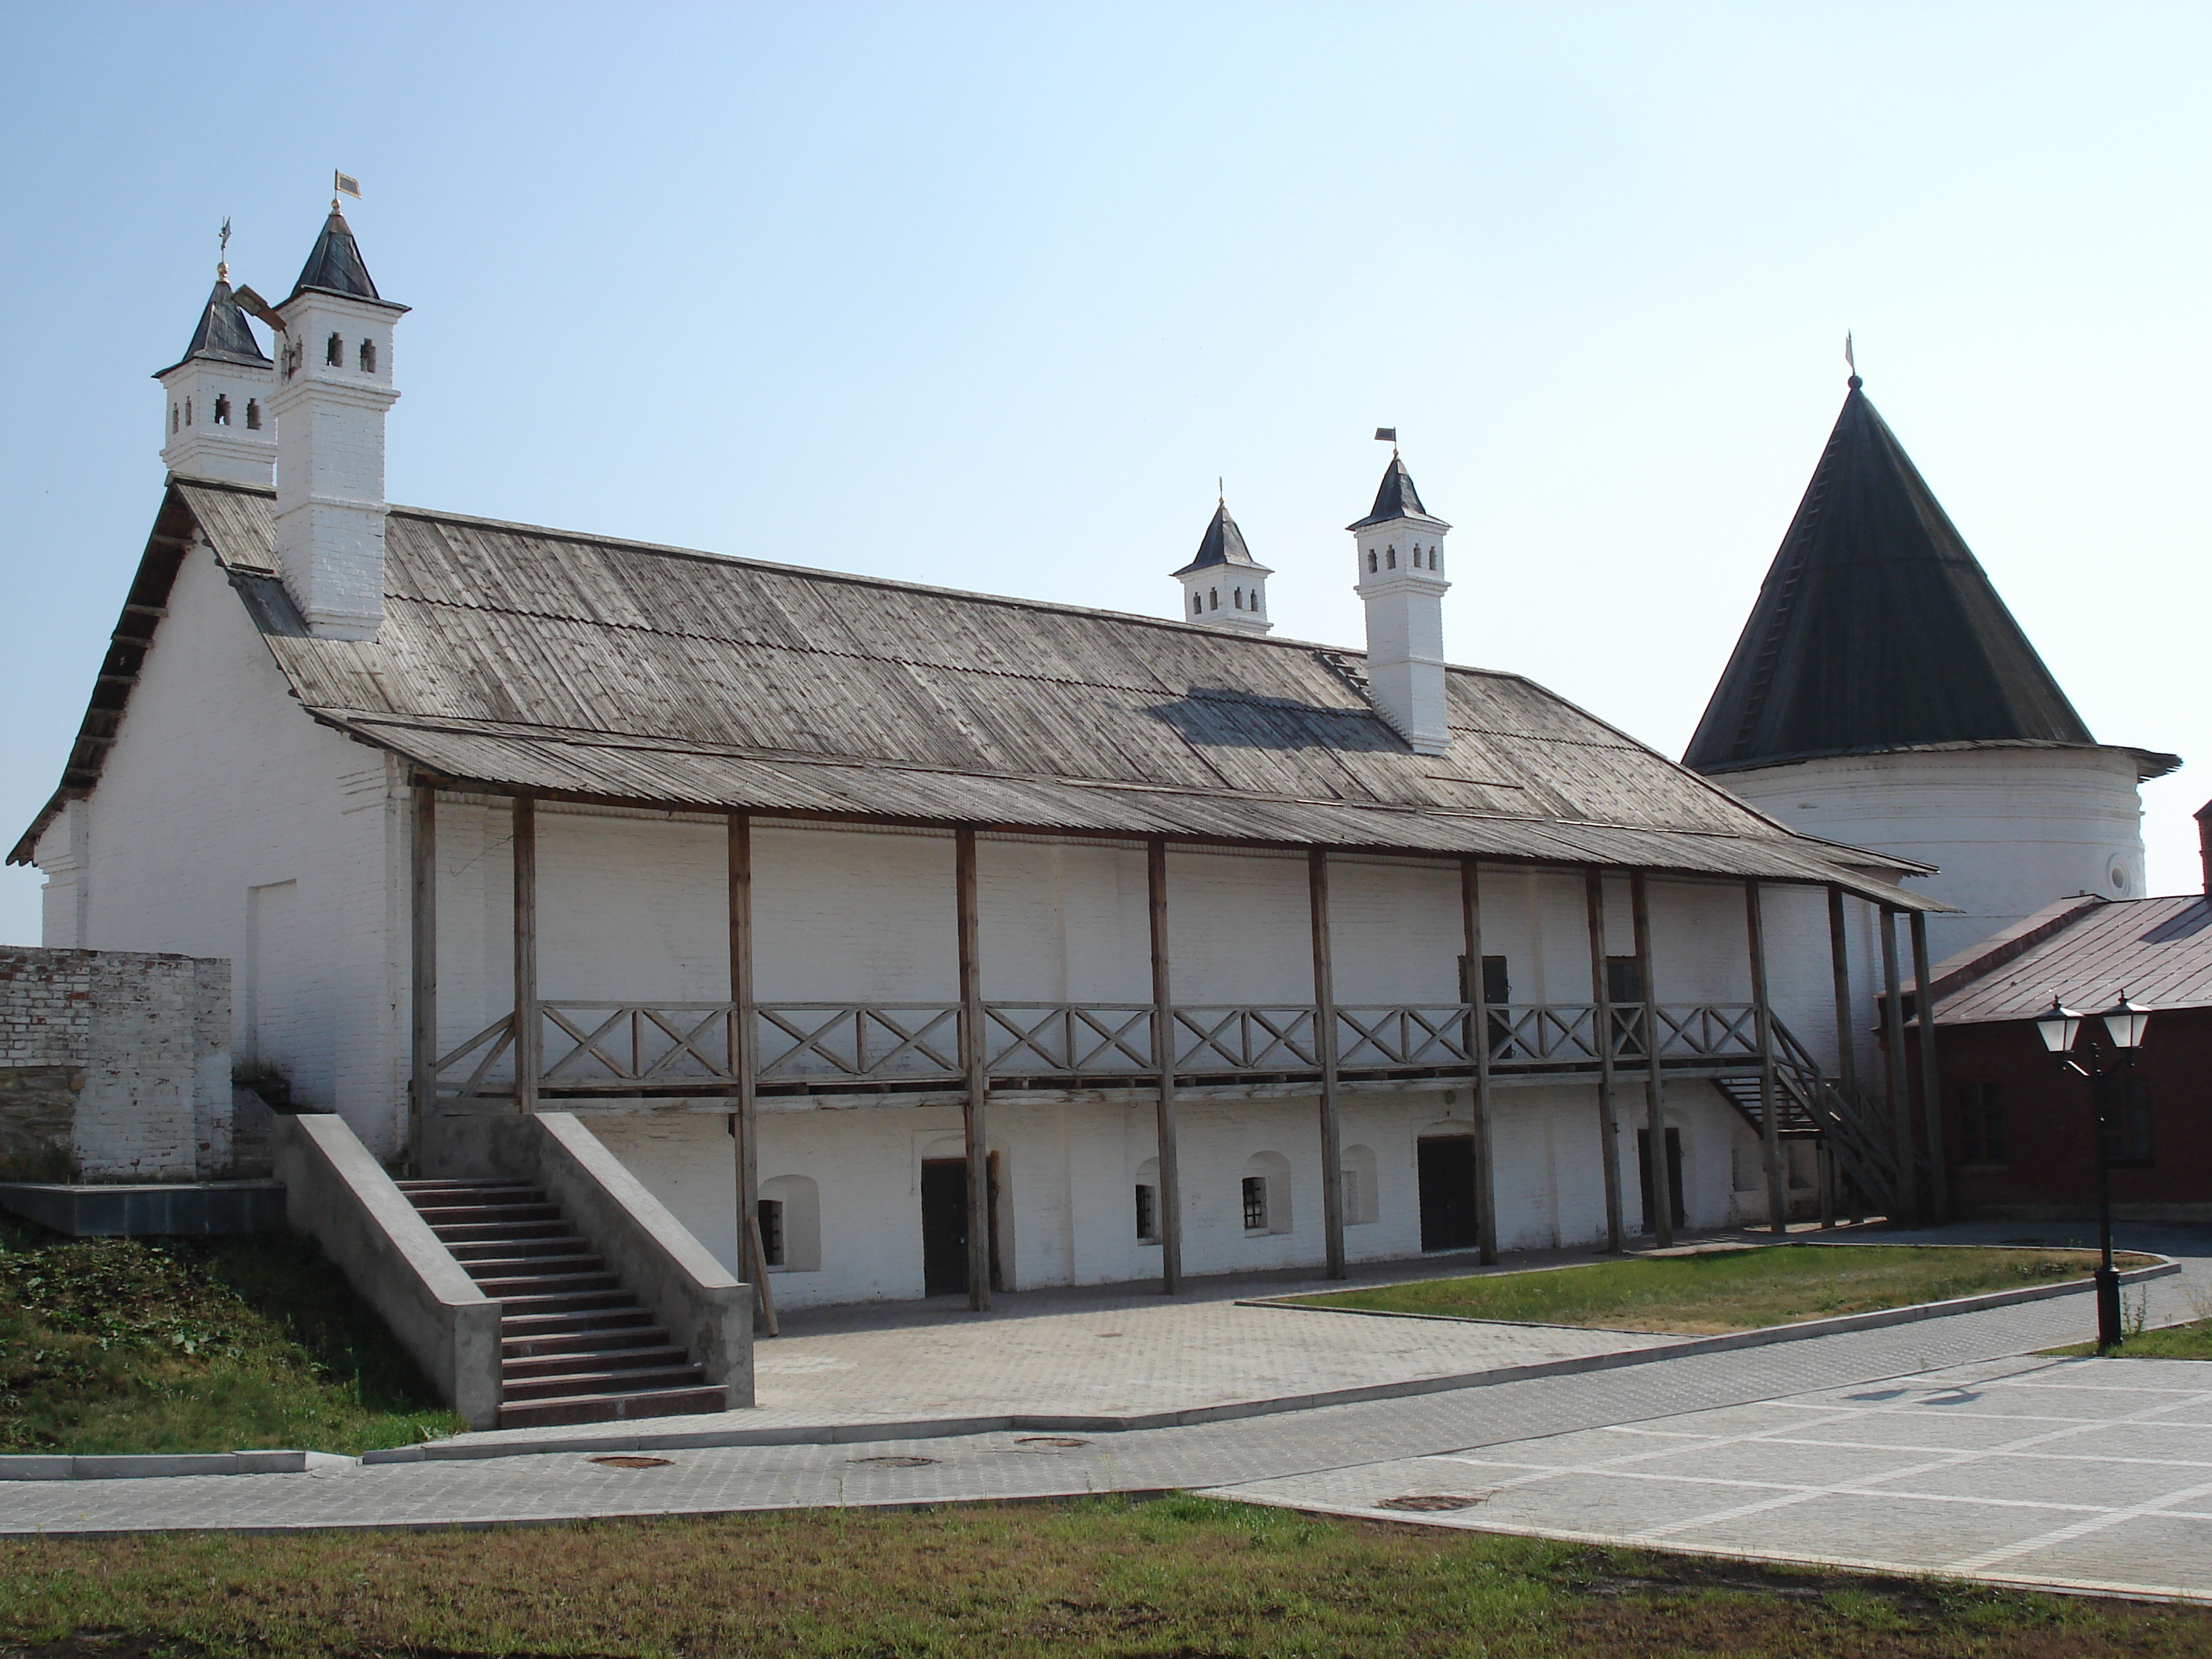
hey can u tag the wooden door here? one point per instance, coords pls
(944, 1226)
(1447, 1177)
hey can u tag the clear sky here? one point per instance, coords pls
(989, 295)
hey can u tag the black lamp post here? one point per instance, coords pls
(2124, 1025)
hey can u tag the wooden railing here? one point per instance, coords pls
(640, 1048)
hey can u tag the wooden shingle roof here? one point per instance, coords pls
(520, 657)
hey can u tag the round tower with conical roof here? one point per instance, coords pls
(1882, 695)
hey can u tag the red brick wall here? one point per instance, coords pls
(2048, 1126)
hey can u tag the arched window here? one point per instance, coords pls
(173, 417)
(222, 409)
(791, 1224)
(254, 415)
(1236, 598)
(1361, 1201)
(1267, 1193)
(1198, 604)
(368, 357)
(1213, 599)
(1371, 561)
(1432, 558)
(1390, 558)
(334, 352)
(1254, 606)
(1148, 1201)
(188, 412)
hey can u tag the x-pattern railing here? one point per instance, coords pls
(617, 1045)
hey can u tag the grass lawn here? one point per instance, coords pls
(1717, 1290)
(2190, 1341)
(1182, 1576)
(133, 1344)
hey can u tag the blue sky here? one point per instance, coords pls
(989, 295)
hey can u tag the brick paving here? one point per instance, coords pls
(1252, 1457)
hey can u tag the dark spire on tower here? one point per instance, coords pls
(223, 335)
(334, 266)
(1876, 628)
(1396, 498)
(1224, 544)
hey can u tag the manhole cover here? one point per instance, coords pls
(1428, 1500)
(893, 1463)
(627, 1462)
(1050, 1440)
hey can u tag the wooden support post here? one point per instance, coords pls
(1839, 963)
(1931, 1092)
(744, 1066)
(1847, 1061)
(1332, 1140)
(529, 1032)
(1659, 1165)
(1478, 1045)
(975, 1063)
(1770, 1096)
(1616, 1230)
(1907, 1204)
(1169, 1217)
(422, 1002)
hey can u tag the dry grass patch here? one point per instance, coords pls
(1712, 1292)
(177, 1345)
(1182, 1576)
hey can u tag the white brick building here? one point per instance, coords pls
(1184, 948)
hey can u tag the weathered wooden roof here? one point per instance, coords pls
(526, 658)
(1877, 629)
(2085, 951)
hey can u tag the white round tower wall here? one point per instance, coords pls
(2010, 830)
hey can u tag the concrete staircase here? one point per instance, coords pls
(576, 1345)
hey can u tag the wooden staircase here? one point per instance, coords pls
(576, 1345)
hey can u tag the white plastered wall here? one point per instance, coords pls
(228, 824)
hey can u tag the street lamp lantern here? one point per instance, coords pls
(2056, 1028)
(2107, 1070)
(2126, 1023)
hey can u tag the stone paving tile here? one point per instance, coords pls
(2179, 1550)
(1779, 1461)
(2053, 1479)
(1922, 1537)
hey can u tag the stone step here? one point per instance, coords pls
(531, 1287)
(613, 1407)
(464, 1184)
(607, 1345)
(469, 1214)
(575, 1385)
(515, 1307)
(496, 1249)
(534, 1267)
(596, 1362)
(485, 1232)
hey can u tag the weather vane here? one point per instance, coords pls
(223, 251)
(1851, 358)
(1388, 434)
(342, 184)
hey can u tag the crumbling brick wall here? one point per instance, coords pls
(117, 1060)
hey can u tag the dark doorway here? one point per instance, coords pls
(1681, 1216)
(944, 1226)
(1447, 1217)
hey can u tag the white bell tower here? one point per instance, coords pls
(333, 386)
(1401, 581)
(216, 417)
(1224, 585)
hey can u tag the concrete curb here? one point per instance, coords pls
(142, 1467)
(624, 1438)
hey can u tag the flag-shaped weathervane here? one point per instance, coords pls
(1850, 359)
(1385, 434)
(345, 185)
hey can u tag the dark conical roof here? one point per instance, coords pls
(334, 266)
(224, 334)
(1876, 628)
(1224, 544)
(1396, 499)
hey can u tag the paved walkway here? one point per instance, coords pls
(1370, 1450)
(2078, 1473)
